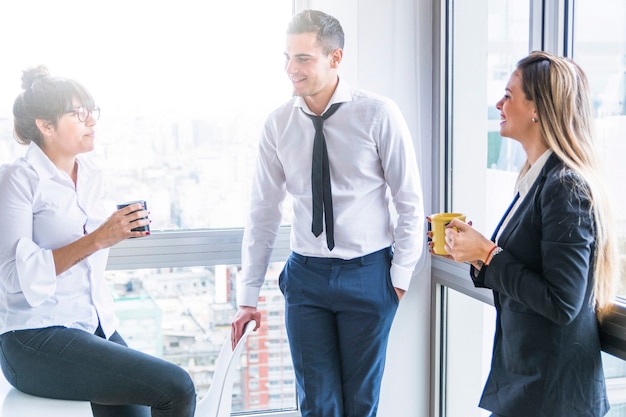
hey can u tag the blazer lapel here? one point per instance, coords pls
(528, 201)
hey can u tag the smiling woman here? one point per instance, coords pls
(484, 163)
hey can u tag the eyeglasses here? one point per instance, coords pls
(82, 113)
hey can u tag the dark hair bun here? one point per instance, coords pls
(31, 75)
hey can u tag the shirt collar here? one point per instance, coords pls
(44, 167)
(37, 159)
(524, 183)
(342, 94)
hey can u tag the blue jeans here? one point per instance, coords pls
(71, 364)
(338, 316)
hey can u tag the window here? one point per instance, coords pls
(184, 88)
(487, 38)
(602, 53)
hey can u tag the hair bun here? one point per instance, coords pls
(31, 75)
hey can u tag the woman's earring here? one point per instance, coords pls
(534, 120)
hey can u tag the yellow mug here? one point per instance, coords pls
(438, 223)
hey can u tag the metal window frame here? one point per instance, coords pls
(180, 248)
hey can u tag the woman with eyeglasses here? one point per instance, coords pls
(58, 335)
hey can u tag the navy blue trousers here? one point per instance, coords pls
(338, 316)
(71, 364)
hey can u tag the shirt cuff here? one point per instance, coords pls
(35, 271)
(400, 276)
(248, 296)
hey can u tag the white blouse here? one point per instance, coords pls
(42, 210)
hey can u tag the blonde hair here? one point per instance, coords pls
(560, 92)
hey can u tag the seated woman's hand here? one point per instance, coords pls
(118, 227)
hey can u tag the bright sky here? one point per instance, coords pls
(179, 56)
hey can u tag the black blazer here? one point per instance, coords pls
(546, 354)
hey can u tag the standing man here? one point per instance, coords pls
(344, 155)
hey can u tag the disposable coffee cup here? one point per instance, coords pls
(438, 223)
(145, 228)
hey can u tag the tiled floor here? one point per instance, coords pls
(16, 404)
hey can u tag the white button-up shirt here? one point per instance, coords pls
(376, 190)
(41, 210)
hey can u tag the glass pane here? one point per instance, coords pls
(490, 36)
(602, 54)
(184, 87)
(183, 315)
(470, 329)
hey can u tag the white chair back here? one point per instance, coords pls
(218, 400)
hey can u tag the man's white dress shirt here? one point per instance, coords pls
(376, 190)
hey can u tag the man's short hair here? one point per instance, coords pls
(328, 29)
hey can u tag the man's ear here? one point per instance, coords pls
(45, 127)
(335, 57)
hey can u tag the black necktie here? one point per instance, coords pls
(320, 180)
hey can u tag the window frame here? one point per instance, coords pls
(182, 248)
